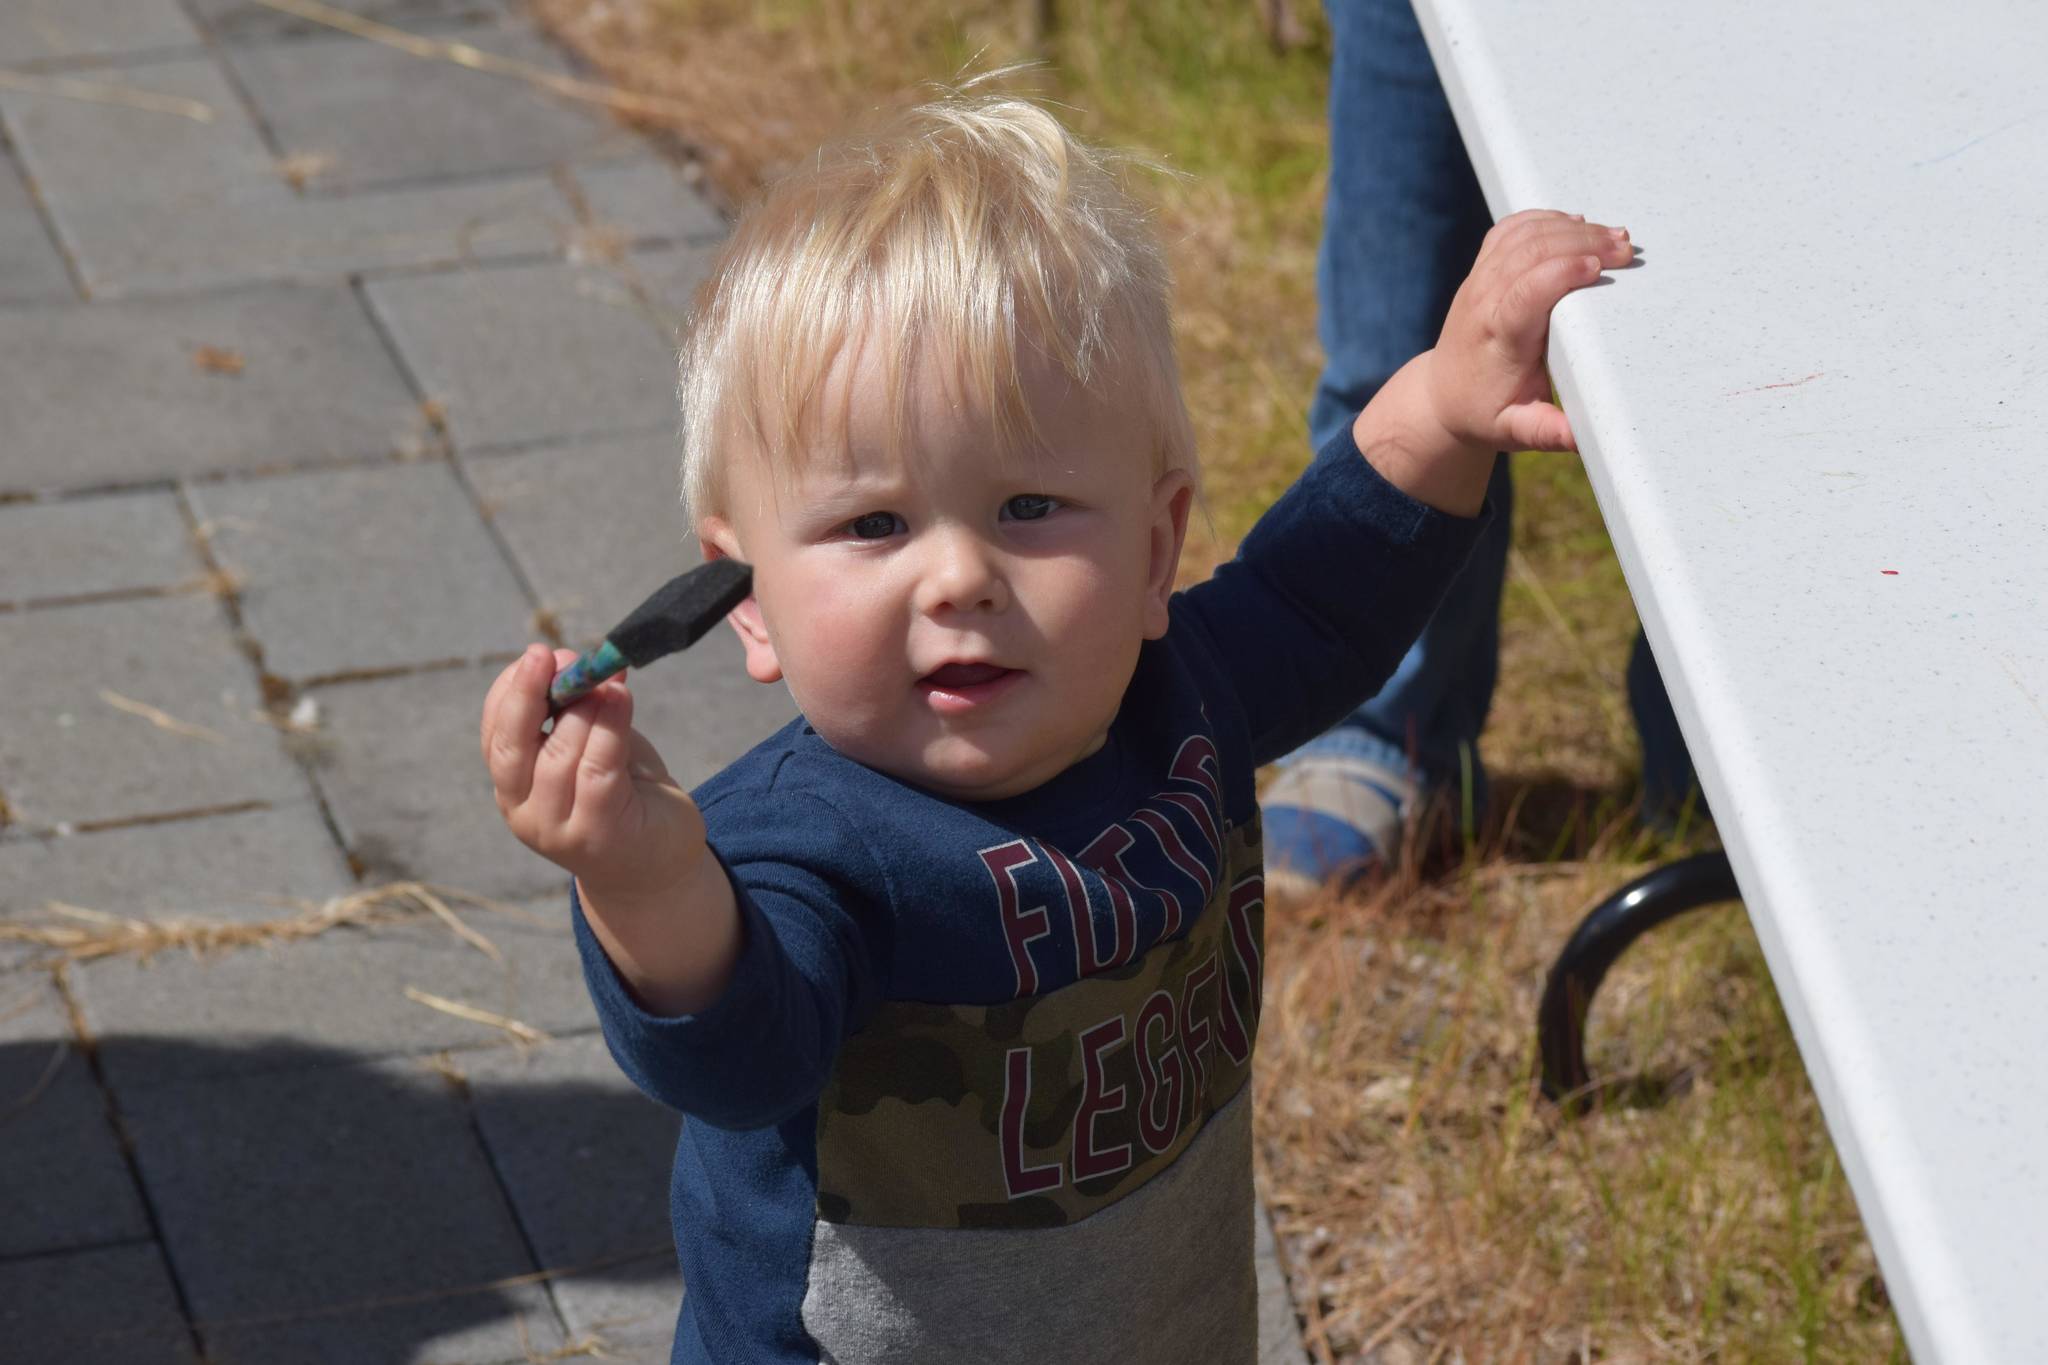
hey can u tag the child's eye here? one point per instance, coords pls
(874, 526)
(1029, 507)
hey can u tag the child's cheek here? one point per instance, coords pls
(1082, 603)
(851, 645)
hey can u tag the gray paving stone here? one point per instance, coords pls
(585, 1158)
(110, 1304)
(186, 1019)
(246, 18)
(648, 198)
(353, 569)
(94, 545)
(619, 1326)
(544, 501)
(700, 709)
(415, 801)
(374, 115)
(63, 1183)
(67, 755)
(526, 353)
(100, 393)
(406, 782)
(307, 1194)
(31, 267)
(669, 277)
(248, 866)
(153, 202)
(36, 30)
(579, 1171)
(88, 155)
(327, 239)
(1279, 1333)
(17, 960)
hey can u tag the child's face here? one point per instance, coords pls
(963, 622)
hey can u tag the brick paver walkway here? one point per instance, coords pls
(329, 376)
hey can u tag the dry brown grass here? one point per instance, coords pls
(1433, 1207)
(751, 86)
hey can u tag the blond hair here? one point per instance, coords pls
(969, 228)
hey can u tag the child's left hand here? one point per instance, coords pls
(1487, 383)
(1433, 428)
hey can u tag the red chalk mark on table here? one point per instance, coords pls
(1788, 384)
(1889, 573)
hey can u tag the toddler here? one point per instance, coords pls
(956, 977)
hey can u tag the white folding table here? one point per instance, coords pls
(1816, 418)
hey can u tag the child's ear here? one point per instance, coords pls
(716, 539)
(1172, 496)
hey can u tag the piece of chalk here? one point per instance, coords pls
(673, 618)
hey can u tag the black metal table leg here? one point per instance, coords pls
(1604, 934)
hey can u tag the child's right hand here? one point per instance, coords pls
(592, 796)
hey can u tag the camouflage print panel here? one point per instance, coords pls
(1164, 1277)
(972, 1116)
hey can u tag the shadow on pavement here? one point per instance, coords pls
(310, 1205)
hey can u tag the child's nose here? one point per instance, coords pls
(963, 574)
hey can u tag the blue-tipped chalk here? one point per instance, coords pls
(678, 613)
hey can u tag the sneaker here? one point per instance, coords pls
(1333, 818)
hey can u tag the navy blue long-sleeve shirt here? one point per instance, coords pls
(976, 1091)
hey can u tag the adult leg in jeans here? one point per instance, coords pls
(1403, 222)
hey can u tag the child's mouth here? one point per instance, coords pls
(962, 687)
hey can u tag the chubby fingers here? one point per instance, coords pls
(603, 770)
(1509, 243)
(1520, 244)
(1520, 227)
(557, 752)
(646, 763)
(1538, 426)
(513, 711)
(1517, 223)
(1537, 265)
(583, 752)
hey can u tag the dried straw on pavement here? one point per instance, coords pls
(75, 933)
(526, 1035)
(475, 59)
(99, 92)
(161, 719)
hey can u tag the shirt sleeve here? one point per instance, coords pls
(1325, 595)
(805, 978)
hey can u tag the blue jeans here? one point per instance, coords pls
(1402, 225)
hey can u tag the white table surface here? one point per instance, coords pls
(1816, 419)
